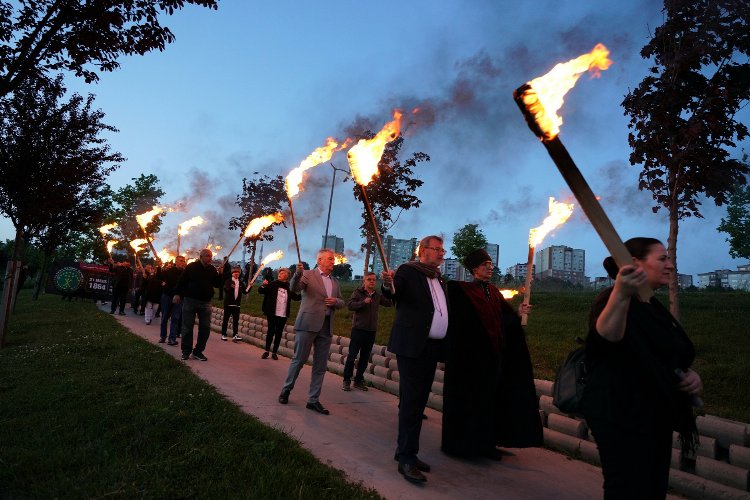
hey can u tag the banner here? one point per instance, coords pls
(80, 279)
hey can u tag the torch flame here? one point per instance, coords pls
(278, 254)
(107, 227)
(339, 259)
(138, 244)
(260, 223)
(365, 155)
(321, 154)
(110, 245)
(185, 227)
(145, 218)
(164, 255)
(218, 247)
(545, 97)
(558, 214)
(508, 294)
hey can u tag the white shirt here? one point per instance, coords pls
(439, 325)
(281, 298)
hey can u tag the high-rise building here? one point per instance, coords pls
(518, 271)
(452, 269)
(397, 251)
(494, 250)
(334, 243)
(563, 262)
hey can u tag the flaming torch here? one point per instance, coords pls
(363, 162)
(255, 227)
(137, 246)
(278, 254)
(539, 100)
(143, 220)
(558, 214)
(110, 244)
(185, 227)
(339, 259)
(294, 179)
(508, 294)
(104, 230)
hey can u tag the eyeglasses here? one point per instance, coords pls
(438, 250)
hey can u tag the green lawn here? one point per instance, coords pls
(88, 410)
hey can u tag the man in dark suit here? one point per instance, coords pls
(321, 297)
(417, 341)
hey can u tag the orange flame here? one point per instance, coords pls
(545, 98)
(107, 227)
(138, 244)
(145, 218)
(278, 254)
(508, 294)
(339, 259)
(110, 245)
(260, 223)
(558, 214)
(365, 155)
(164, 255)
(185, 227)
(218, 247)
(321, 154)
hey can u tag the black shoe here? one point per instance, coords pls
(200, 356)
(347, 385)
(316, 406)
(111, 312)
(121, 313)
(420, 465)
(172, 342)
(265, 355)
(493, 454)
(284, 397)
(411, 473)
(360, 385)
(274, 356)
(185, 357)
(161, 341)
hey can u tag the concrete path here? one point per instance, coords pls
(359, 435)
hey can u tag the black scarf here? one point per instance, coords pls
(429, 271)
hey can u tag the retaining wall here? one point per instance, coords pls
(720, 468)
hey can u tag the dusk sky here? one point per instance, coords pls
(257, 86)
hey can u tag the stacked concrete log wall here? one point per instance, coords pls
(720, 467)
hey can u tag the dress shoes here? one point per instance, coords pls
(284, 397)
(420, 465)
(316, 406)
(411, 473)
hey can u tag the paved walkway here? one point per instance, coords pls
(359, 435)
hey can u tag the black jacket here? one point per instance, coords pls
(269, 292)
(229, 300)
(198, 282)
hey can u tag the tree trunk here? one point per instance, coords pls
(9, 288)
(42, 272)
(674, 299)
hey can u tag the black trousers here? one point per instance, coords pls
(635, 464)
(275, 331)
(360, 344)
(234, 312)
(118, 299)
(415, 382)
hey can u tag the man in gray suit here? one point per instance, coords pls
(321, 297)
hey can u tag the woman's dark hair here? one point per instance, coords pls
(638, 247)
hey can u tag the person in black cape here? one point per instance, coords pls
(489, 399)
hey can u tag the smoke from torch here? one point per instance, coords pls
(363, 163)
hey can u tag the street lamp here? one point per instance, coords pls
(330, 201)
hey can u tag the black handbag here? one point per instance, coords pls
(570, 381)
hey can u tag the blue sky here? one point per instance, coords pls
(257, 86)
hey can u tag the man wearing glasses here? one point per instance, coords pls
(417, 336)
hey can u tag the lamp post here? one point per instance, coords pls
(330, 201)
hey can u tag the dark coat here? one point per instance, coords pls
(489, 396)
(198, 281)
(154, 288)
(270, 292)
(229, 300)
(123, 279)
(414, 310)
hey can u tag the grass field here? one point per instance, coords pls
(717, 322)
(88, 410)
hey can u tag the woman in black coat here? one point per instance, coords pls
(276, 312)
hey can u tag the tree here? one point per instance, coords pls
(262, 195)
(683, 114)
(52, 160)
(392, 188)
(81, 37)
(342, 272)
(466, 240)
(135, 199)
(737, 223)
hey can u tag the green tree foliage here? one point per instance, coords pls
(80, 37)
(737, 223)
(466, 240)
(261, 195)
(342, 272)
(135, 199)
(683, 115)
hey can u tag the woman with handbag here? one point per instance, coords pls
(640, 385)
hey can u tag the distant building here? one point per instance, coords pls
(494, 250)
(563, 262)
(725, 278)
(397, 251)
(518, 271)
(334, 243)
(452, 269)
(602, 282)
(684, 281)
